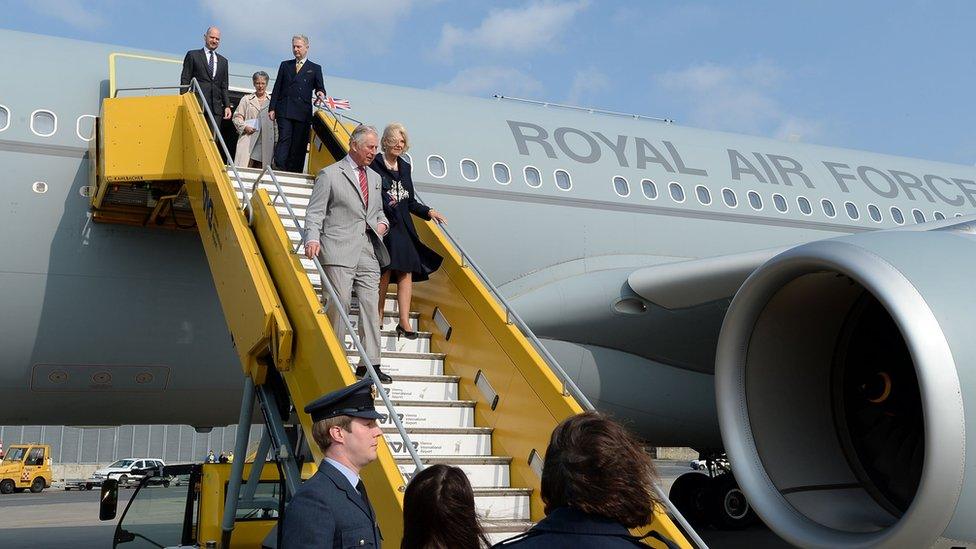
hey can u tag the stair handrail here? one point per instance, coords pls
(334, 301)
(512, 317)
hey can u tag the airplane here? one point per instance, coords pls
(802, 308)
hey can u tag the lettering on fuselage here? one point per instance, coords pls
(589, 147)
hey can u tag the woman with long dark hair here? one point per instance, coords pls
(438, 511)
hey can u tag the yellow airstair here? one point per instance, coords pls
(476, 389)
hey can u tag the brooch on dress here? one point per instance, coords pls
(397, 193)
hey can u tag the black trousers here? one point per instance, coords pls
(292, 144)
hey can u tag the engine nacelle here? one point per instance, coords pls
(846, 390)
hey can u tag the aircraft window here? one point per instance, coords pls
(874, 212)
(919, 216)
(958, 215)
(436, 166)
(85, 127)
(939, 216)
(4, 118)
(407, 157)
(755, 200)
(532, 177)
(469, 170)
(728, 196)
(804, 205)
(649, 189)
(43, 123)
(621, 186)
(828, 208)
(780, 203)
(563, 181)
(501, 173)
(897, 215)
(704, 197)
(677, 192)
(851, 210)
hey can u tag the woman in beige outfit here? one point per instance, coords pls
(255, 146)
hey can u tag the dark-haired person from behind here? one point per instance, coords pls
(438, 511)
(596, 485)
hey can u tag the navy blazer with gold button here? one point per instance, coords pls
(291, 96)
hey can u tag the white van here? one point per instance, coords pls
(125, 469)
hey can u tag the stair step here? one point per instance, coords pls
(502, 503)
(407, 387)
(461, 441)
(501, 530)
(482, 471)
(426, 413)
(389, 343)
(390, 320)
(414, 364)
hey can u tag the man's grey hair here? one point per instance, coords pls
(301, 37)
(359, 134)
(260, 74)
(210, 28)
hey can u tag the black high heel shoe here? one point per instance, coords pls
(401, 331)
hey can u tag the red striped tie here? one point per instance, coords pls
(363, 186)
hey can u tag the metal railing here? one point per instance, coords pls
(584, 109)
(334, 302)
(569, 386)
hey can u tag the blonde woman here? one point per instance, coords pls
(410, 260)
(255, 146)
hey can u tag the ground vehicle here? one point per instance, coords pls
(125, 469)
(188, 510)
(26, 467)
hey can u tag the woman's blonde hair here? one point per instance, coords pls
(389, 136)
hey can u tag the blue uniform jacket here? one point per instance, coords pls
(567, 527)
(327, 512)
(291, 96)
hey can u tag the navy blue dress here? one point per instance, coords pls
(568, 527)
(407, 252)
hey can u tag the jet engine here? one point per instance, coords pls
(846, 390)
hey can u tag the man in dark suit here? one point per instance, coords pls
(332, 509)
(210, 70)
(291, 105)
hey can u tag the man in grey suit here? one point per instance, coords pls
(332, 509)
(344, 227)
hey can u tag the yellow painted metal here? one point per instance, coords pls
(247, 294)
(248, 534)
(20, 472)
(319, 156)
(113, 65)
(320, 364)
(531, 400)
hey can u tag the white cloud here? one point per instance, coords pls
(738, 99)
(483, 81)
(586, 85)
(72, 12)
(340, 32)
(537, 25)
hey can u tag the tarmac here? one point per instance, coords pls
(59, 518)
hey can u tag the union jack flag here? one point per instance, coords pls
(333, 103)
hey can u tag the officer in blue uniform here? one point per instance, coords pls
(332, 508)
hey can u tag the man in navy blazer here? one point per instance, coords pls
(291, 105)
(332, 509)
(210, 70)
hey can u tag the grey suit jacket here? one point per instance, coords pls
(336, 215)
(327, 512)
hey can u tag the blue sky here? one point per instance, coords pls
(889, 76)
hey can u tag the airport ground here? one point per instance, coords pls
(59, 518)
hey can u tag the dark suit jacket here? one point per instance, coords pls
(328, 512)
(214, 88)
(291, 96)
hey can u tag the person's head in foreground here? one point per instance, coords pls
(438, 511)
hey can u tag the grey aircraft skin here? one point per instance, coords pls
(621, 241)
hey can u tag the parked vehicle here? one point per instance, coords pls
(125, 470)
(26, 467)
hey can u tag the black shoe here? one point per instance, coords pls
(384, 378)
(400, 330)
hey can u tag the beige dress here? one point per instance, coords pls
(260, 144)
